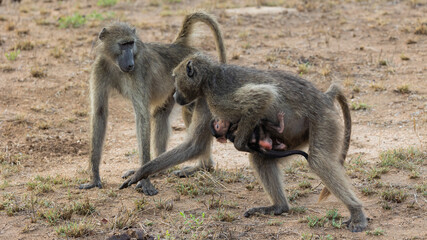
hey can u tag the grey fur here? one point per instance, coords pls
(247, 95)
(148, 85)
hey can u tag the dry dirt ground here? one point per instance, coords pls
(376, 49)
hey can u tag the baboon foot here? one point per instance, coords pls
(356, 225)
(96, 183)
(188, 171)
(276, 210)
(146, 187)
(128, 174)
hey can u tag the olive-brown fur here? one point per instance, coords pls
(148, 85)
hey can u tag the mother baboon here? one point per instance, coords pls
(141, 72)
(246, 95)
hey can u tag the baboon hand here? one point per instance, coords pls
(128, 183)
(95, 183)
(128, 174)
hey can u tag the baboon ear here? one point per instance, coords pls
(102, 34)
(190, 70)
(134, 30)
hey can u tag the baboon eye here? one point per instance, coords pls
(190, 70)
(127, 43)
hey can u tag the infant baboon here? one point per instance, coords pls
(261, 138)
(247, 95)
(141, 72)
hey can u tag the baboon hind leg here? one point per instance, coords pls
(160, 136)
(324, 161)
(187, 113)
(161, 127)
(269, 174)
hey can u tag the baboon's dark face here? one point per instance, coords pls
(126, 58)
(119, 43)
(187, 82)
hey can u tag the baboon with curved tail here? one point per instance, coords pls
(141, 72)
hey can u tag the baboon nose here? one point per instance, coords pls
(130, 67)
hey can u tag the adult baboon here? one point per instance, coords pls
(246, 95)
(141, 72)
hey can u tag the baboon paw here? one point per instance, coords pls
(91, 185)
(189, 171)
(272, 210)
(184, 172)
(356, 226)
(128, 174)
(146, 187)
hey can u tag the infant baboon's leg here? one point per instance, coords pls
(269, 174)
(324, 160)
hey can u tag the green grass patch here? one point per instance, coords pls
(224, 216)
(376, 232)
(106, 3)
(403, 158)
(356, 106)
(75, 21)
(12, 56)
(84, 208)
(394, 195)
(75, 229)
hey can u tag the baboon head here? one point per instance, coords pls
(118, 43)
(189, 76)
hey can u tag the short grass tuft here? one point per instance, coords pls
(75, 21)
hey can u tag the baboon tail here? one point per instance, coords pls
(187, 29)
(335, 92)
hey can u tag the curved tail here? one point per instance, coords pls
(187, 28)
(335, 92)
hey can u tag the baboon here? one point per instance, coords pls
(141, 72)
(260, 137)
(246, 95)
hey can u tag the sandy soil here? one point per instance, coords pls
(371, 47)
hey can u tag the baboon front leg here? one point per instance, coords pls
(98, 124)
(205, 158)
(205, 163)
(194, 146)
(269, 175)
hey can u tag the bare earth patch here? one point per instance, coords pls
(376, 49)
